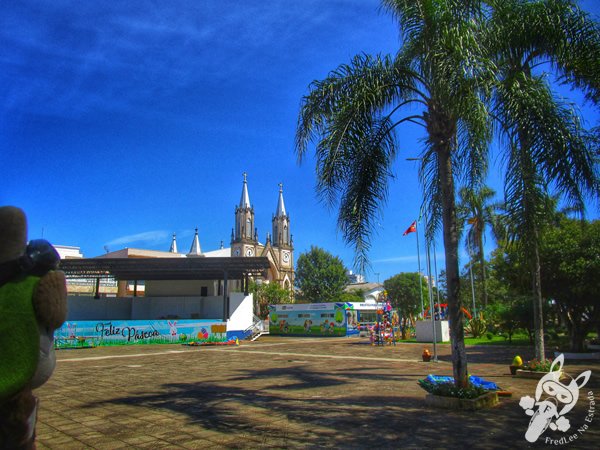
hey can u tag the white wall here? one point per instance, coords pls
(181, 288)
(241, 309)
(90, 308)
(148, 308)
(424, 331)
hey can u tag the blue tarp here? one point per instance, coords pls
(476, 381)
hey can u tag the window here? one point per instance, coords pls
(327, 315)
(203, 291)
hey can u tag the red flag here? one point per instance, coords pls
(411, 229)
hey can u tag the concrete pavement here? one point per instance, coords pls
(283, 393)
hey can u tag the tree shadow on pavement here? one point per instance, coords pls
(309, 414)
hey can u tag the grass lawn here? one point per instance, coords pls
(518, 340)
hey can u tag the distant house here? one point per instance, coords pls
(370, 291)
(354, 278)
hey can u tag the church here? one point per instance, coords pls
(278, 246)
(278, 249)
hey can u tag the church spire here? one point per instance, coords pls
(281, 223)
(173, 248)
(244, 218)
(280, 205)
(245, 200)
(195, 249)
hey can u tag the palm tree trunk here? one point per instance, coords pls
(455, 315)
(538, 312)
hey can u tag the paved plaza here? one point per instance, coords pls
(285, 393)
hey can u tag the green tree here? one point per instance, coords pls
(545, 143)
(320, 276)
(570, 275)
(266, 294)
(352, 116)
(353, 295)
(405, 292)
(475, 209)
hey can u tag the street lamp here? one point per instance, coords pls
(429, 283)
(471, 272)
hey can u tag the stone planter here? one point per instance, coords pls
(484, 401)
(535, 375)
(513, 369)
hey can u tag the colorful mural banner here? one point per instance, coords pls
(80, 334)
(321, 319)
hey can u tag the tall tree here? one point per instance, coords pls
(405, 291)
(570, 268)
(474, 208)
(352, 117)
(545, 144)
(266, 294)
(320, 276)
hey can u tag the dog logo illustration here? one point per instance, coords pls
(553, 400)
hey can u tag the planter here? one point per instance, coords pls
(513, 369)
(466, 404)
(426, 358)
(579, 356)
(536, 375)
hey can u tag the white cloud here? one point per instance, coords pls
(147, 237)
(396, 259)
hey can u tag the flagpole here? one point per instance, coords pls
(420, 277)
(439, 308)
(431, 306)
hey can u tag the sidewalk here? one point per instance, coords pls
(282, 393)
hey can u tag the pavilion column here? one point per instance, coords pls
(225, 298)
(97, 289)
(121, 288)
(246, 282)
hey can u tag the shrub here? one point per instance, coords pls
(536, 365)
(476, 326)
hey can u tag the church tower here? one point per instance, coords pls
(282, 242)
(244, 237)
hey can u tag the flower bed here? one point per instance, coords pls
(536, 369)
(443, 393)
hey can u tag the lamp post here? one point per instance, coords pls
(471, 272)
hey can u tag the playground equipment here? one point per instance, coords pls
(441, 312)
(382, 332)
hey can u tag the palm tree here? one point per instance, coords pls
(453, 55)
(352, 116)
(475, 209)
(546, 147)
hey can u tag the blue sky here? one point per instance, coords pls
(123, 122)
